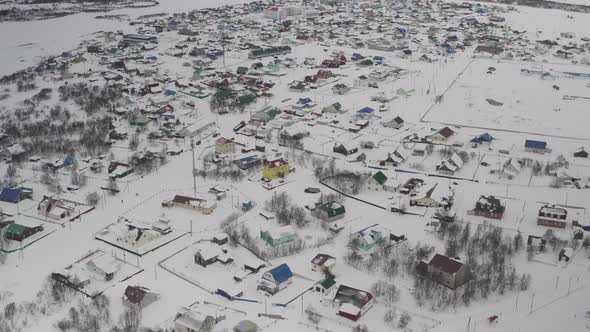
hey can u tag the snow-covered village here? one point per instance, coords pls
(294, 165)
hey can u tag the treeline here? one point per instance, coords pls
(487, 255)
(91, 99)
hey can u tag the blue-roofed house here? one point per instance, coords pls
(535, 146)
(137, 38)
(365, 112)
(304, 103)
(276, 279)
(485, 137)
(356, 56)
(248, 162)
(15, 195)
(378, 59)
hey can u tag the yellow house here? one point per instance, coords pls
(274, 169)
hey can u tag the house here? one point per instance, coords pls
(483, 138)
(345, 148)
(248, 162)
(55, 208)
(395, 123)
(275, 169)
(276, 279)
(15, 195)
(511, 168)
(104, 267)
(242, 70)
(119, 170)
(333, 108)
(442, 135)
(435, 196)
(367, 238)
(187, 320)
(225, 146)
(449, 272)
(136, 38)
(365, 113)
(421, 149)
(581, 153)
(451, 165)
(322, 263)
(552, 216)
(207, 253)
(18, 232)
(139, 296)
(537, 243)
(489, 207)
(198, 204)
(220, 239)
(278, 236)
(353, 303)
(324, 286)
(162, 226)
(330, 211)
(390, 160)
(340, 89)
(377, 181)
(246, 326)
(12, 152)
(535, 146)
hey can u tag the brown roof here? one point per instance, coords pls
(275, 163)
(446, 132)
(135, 294)
(445, 264)
(320, 259)
(182, 199)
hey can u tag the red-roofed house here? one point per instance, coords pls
(225, 146)
(446, 271)
(275, 168)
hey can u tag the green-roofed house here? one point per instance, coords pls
(18, 232)
(376, 182)
(223, 94)
(330, 211)
(242, 70)
(324, 286)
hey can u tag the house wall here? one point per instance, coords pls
(226, 148)
(275, 172)
(373, 185)
(551, 222)
(204, 263)
(426, 201)
(488, 214)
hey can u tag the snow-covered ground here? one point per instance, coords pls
(532, 108)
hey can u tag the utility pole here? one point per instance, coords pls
(193, 170)
(302, 304)
(532, 301)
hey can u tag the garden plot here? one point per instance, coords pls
(220, 269)
(60, 210)
(186, 216)
(545, 99)
(139, 237)
(27, 226)
(96, 272)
